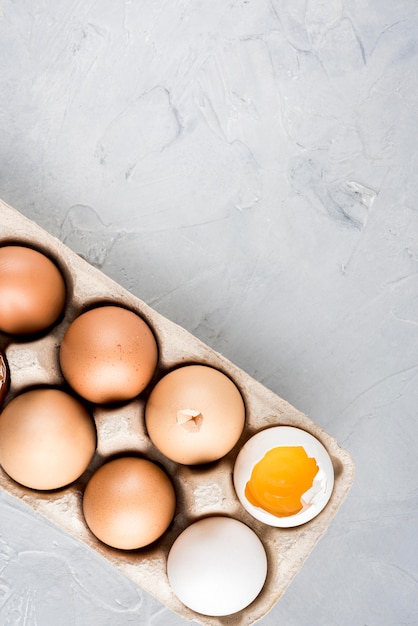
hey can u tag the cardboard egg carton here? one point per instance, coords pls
(200, 491)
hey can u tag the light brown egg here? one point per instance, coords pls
(195, 414)
(4, 378)
(108, 354)
(47, 439)
(129, 503)
(32, 291)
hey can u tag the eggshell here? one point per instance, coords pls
(217, 566)
(47, 439)
(254, 450)
(32, 291)
(108, 354)
(129, 503)
(195, 414)
(4, 378)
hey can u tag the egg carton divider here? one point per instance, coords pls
(207, 491)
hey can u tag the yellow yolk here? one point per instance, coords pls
(279, 480)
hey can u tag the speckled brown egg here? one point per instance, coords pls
(129, 503)
(32, 291)
(4, 378)
(47, 439)
(108, 354)
(195, 414)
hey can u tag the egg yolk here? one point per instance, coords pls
(279, 480)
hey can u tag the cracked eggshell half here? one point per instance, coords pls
(195, 414)
(283, 476)
(4, 378)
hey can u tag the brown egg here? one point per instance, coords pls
(195, 414)
(108, 354)
(129, 503)
(32, 291)
(47, 439)
(4, 378)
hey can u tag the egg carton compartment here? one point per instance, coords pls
(200, 490)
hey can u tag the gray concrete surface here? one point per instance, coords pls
(249, 169)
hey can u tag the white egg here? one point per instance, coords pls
(267, 508)
(217, 566)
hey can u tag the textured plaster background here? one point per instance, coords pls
(248, 168)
